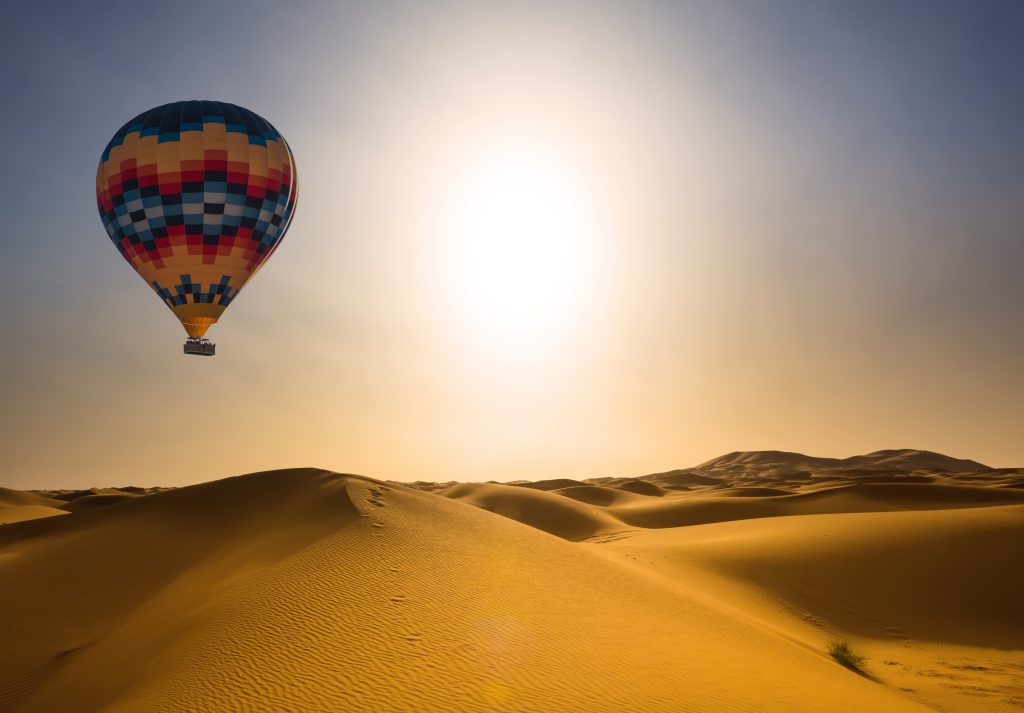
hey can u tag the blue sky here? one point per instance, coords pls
(811, 212)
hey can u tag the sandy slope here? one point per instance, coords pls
(549, 511)
(99, 500)
(21, 513)
(918, 565)
(900, 460)
(934, 598)
(14, 498)
(597, 495)
(780, 468)
(948, 576)
(580, 512)
(715, 588)
(307, 590)
(18, 506)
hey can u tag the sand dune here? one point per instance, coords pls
(577, 513)
(598, 495)
(681, 479)
(745, 461)
(19, 506)
(911, 460)
(307, 590)
(13, 498)
(99, 500)
(640, 487)
(919, 568)
(748, 492)
(553, 484)
(885, 563)
(1007, 477)
(21, 513)
(933, 597)
(543, 510)
(780, 462)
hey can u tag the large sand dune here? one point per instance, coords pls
(933, 597)
(579, 512)
(18, 506)
(308, 590)
(950, 576)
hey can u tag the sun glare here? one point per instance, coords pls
(521, 244)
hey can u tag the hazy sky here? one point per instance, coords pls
(533, 239)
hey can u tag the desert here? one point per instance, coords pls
(512, 356)
(713, 588)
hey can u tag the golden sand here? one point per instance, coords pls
(308, 590)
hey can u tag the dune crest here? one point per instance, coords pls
(309, 590)
(933, 598)
(580, 512)
(19, 506)
(707, 589)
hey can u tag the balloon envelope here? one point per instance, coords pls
(196, 195)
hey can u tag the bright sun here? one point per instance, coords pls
(520, 235)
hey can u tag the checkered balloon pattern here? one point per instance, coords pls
(196, 195)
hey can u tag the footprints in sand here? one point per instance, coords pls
(375, 499)
(610, 536)
(999, 681)
(377, 495)
(412, 635)
(893, 632)
(393, 575)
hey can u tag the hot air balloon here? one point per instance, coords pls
(196, 195)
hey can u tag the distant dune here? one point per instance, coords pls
(971, 594)
(18, 506)
(17, 498)
(306, 590)
(100, 500)
(640, 487)
(554, 484)
(894, 461)
(580, 512)
(599, 495)
(547, 511)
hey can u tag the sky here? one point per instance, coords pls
(533, 239)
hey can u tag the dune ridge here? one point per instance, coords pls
(305, 589)
(19, 506)
(932, 597)
(309, 590)
(581, 512)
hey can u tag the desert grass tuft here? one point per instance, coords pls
(846, 656)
